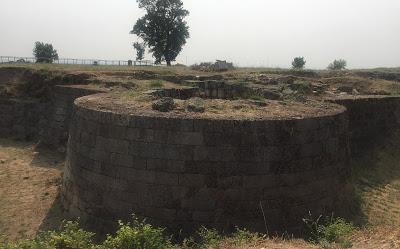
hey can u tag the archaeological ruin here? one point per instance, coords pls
(259, 164)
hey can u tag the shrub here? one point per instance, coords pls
(243, 236)
(70, 236)
(137, 235)
(44, 53)
(298, 63)
(328, 230)
(209, 238)
(301, 87)
(338, 65)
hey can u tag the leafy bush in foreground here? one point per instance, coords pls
(329, 230)
(70, 236)
(137, 234)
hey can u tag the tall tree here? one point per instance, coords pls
(163, 28)
(44, 52)
(140, 49)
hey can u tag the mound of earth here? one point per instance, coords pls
(214, 108)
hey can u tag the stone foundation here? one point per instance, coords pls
(184, 173)
(21, 119)
(187, 172)
(55, 131)
(45, 121)
(213, 89)
(371, 119)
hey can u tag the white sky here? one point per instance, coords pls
(250, 33)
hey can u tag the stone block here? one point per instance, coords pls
(162, 165)
(192, 180)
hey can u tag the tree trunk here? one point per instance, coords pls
(168, 63)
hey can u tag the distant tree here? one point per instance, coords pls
(298, 63)
(338, 65)
(163, 28)
(44, 53)
(140, 49)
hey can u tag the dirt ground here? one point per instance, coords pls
(29, 182)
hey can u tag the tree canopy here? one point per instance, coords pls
(44, 52)
(338, 65)
(163, 28)
(298, 63)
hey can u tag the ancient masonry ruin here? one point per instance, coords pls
(185, 171)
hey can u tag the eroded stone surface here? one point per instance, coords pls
(187, 172)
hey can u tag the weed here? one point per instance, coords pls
(256, 97)
(302, 87)
(328, 230)
(137, 234)
(69, 236)
(156, 84)
(209, 238)
(243, 236)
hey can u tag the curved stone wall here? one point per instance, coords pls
(187, 172)
(55, 130)
(371, 120)
(26, 118)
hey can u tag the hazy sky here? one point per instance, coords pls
(250, 33)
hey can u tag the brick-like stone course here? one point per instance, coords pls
(21, 119)
(55, 130)
(46, 121)
(371, 119)
(192, 172)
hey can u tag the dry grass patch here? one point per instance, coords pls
(29, 182)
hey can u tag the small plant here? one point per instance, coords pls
(329, 230)
(70, 236)
(136, 235)
(156, 83)
(301, 87)
(338, 65)
(298, 63)
(209, 238)
(256, 96)
(243, 236)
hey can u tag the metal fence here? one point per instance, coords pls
(66, 61)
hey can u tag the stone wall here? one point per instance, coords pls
(213, 89)
(21, 119)
(55, 131)
(232, 90)
(45, 121)
(184, 173)
(371, 120)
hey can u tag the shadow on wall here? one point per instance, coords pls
(55, 216)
